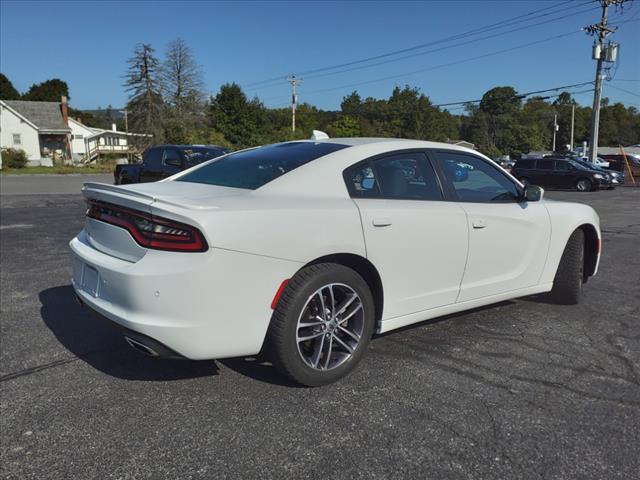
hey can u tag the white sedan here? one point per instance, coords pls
(303, 250)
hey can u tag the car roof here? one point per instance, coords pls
(355, 141)
(320, 176)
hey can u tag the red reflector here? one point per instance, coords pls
(149, 230)
(283, 285)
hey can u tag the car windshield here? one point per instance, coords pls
(587, 165)
(254, 168)
(579, 165)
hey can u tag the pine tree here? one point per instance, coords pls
(145, 105)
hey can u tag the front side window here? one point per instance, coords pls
(251, 169)
(562, 166)
(400, 176)
(472, 179)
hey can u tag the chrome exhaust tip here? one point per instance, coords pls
(141, 347)
(78, 299)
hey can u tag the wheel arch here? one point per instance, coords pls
(366, 270)
(591, 249)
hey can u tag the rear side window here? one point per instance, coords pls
(526, 164)
(171, 157)
(545, 164)
(196, 155)
(252, 169)
(407, 176)
(153, 158)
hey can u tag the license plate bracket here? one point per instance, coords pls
(90, 280)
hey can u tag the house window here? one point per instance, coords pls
(17, 139)
(78, 137)
(116, 141)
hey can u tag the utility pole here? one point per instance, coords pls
(294, 99)
(601, 53)
(573, 118)
(555, 130)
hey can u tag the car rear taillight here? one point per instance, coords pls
(149, 230)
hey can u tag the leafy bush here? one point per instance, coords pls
(14, 158)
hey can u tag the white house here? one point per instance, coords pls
(88, 142)
(47, 134)
(38, 128)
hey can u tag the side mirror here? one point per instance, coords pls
(533, 193)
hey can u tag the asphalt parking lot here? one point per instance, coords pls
(522, 389)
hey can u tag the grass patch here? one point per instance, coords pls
(57, 170)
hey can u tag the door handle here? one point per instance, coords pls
(381, 222)
(479, 223)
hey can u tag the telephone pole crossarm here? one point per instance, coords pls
(601, 53)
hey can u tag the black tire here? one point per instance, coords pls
(282, 338)
(567, 284)
(584, 185)
(525, 181)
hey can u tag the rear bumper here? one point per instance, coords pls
(214, 304)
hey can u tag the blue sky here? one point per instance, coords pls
(87, 44)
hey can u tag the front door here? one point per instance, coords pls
(416, 239)
(508, 237)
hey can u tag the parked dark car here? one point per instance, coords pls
(617, 162)
(617, 178)
(559, 173)
(162, 161)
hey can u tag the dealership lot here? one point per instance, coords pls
(522, 389)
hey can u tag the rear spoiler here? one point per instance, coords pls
(118, 195)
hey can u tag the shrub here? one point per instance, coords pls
(14, 158)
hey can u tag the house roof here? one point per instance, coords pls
(46, 116)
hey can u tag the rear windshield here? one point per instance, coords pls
(252, 169)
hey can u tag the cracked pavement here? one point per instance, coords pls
(522, 390)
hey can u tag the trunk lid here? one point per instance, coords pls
(171, 200)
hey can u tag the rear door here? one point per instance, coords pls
(545, 174)
(151, 170)
(565, 175)
(508, 238)
(416, 239)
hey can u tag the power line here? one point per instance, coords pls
(487, 37)
(624, 90)
(435, 67)
(457, 62)
(506, 22)
(523, 95)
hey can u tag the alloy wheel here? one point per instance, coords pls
(330, 326)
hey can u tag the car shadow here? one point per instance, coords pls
(258, 369)
(97, 342)
(545, 298)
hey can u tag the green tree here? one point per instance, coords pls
(239, 120)
(182, 87)
(345, 126)
(145, 105)
(48, 91)
(7, 90)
